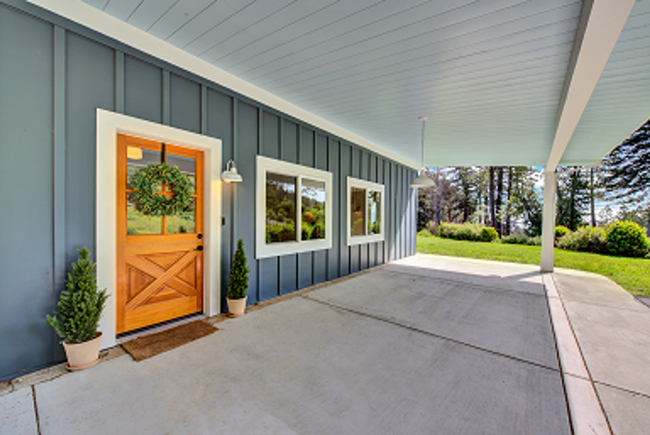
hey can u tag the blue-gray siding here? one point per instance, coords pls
(53, 76)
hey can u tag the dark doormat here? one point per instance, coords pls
(146, 347)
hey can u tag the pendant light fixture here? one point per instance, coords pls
(422, 180)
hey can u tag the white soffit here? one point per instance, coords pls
(89, 16)
(621, 101)
(488, 74)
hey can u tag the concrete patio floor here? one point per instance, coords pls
(425, 345)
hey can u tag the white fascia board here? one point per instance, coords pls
(88, 16)
(601, 23)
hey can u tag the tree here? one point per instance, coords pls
(572, 197)
(525, 202)
(625, 172)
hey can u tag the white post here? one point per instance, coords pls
(548, 221)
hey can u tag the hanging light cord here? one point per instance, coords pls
(424, 121)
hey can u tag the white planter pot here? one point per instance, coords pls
(83, 355)
(236, 307)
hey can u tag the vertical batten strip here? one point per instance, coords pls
(59, 138)
(233, 198)
(119, 81)
(166, 97)
(204, 109)
(260, 139)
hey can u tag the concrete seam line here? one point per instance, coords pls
(483, 287)
(585, 408)
(431, 334)
(38, 422)
(582, 356)
(557, 355)
(623, 389)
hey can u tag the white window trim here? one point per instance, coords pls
(262, 249)
(358, 240)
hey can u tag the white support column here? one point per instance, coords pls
(548, 221)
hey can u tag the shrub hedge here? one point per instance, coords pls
(585, 239)
(467, 231)
(561, 231)
(623, 239)
(520, 239)
(627, 239)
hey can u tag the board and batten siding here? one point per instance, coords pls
(54, 74)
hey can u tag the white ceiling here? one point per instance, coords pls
(488, 74)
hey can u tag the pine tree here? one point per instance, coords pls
(80, 305)
(572, 197)
(626, 170)
(238, 283)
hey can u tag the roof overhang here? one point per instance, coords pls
(504, 82)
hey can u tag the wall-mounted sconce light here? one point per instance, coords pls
(230, 175)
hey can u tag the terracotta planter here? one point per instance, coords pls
(83, 355)
(236, 307)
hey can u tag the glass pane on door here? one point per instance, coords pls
(137, 222)
(184, 221)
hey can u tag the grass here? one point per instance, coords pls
(633, 274)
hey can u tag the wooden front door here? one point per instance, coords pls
(159, 258)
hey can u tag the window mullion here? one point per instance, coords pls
(299, 208)
(365, 211)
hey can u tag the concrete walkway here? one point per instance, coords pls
(613, 331)
(425, 345)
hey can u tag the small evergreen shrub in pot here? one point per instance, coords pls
(238, 282)
(627, 239)
(77, 314)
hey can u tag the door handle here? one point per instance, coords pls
(199, 248)
(199, 236)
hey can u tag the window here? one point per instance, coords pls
(294, 208)
(365, 212)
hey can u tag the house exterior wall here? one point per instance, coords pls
(54, 74)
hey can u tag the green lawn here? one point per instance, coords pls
(633, 274)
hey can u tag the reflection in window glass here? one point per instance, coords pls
(186, 165)
(142, 159)
(357, 212)
(280, 208)
(313, 209)
(138, 222)
(374, 212)
(183, 222)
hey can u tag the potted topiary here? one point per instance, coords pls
(77, 314)
(238, 283)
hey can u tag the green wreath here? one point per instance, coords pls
(153, 204)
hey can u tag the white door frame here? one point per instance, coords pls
(109, 124)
